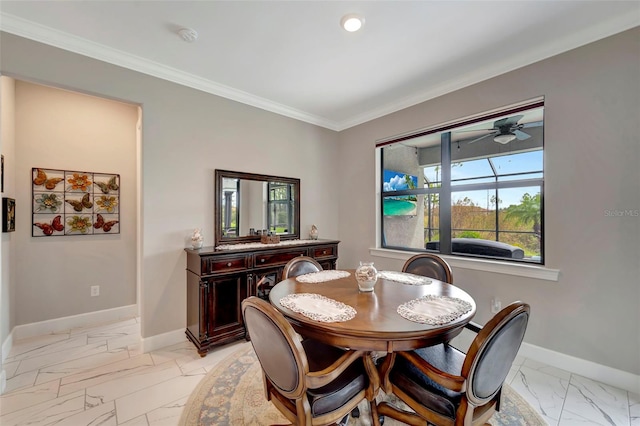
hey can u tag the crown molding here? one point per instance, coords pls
(43, 34)
(47, 35)
(587, 35)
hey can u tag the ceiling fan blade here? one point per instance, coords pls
(482, 137)
(532, 124)
(521, 135)
(507, 121)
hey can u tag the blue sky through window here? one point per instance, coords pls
(518, 163)
(479, 171)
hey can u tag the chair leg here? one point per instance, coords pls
(376, 418)
(386, 409)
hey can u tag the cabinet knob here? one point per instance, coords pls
(229, 264)
(261, 260)
(324, 252)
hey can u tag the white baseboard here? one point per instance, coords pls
(73, 321)
(6, 347)
(4, 351)
(158, 341)
(3, 381)
(591, 370)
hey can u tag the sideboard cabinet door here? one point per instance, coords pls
(223, 314)
(213, 309)
(218, 281)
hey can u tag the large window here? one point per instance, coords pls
(474, 188)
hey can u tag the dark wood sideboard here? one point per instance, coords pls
(219, 280)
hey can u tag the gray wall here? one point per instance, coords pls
(592, 151)
(7, 147)
(187, 134)
(59, 129)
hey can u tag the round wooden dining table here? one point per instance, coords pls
(377, 325)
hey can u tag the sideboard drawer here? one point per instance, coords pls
(324, 251)
(271, 259)
(226, 264)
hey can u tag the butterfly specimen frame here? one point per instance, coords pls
(68, 202)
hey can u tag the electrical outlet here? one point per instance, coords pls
(95, 290)
(496, 305)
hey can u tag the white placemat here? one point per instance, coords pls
(434, 310)
(322, 276)
(318, 307)
(404, 277)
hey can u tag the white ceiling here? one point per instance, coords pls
(293, 58)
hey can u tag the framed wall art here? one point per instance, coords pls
(66, 202)
(1, 173)
(8, 214)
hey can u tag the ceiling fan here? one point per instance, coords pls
(507, 129)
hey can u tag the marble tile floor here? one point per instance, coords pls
(98, 376)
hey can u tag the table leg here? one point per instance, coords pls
(372, 372)
(374, 379)
(384, 369)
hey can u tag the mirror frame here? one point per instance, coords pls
(217, 226)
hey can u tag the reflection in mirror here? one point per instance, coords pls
(229, 206)
(248, 205)
(253, 205)
(280, 207)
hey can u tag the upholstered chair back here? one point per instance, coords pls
(300, 265)
(429, 265)
(493, 351)
(277, 348)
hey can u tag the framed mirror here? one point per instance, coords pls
(248, 205)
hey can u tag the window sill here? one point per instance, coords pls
(509, 268)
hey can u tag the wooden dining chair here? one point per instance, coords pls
(429, 265)
(444, 386)
(309, 382)
(300, 265)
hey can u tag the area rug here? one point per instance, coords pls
(233, 394)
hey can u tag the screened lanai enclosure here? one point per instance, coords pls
(471, 188)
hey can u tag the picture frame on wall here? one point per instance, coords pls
(70, 202)
(2, 173)
(8, 214)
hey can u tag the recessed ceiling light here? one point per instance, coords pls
(188, 35)
(352, 22)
